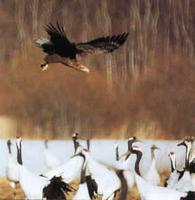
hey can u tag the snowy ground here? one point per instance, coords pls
(102, 150)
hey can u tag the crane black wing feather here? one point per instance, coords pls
(101, 45)
(92, 187)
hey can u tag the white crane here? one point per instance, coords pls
(31, 184)
(185, 183)
(152, 174)
(88, 187)
(124, 165)
(69, 170)
(122, 169)
(187, 143)
(175, 174)
(76, 143)
(12, 170)
(151, 192)
(106, 179)
(51, 161)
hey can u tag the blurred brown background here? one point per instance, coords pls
(146, 88)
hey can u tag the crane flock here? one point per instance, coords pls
(101, 180)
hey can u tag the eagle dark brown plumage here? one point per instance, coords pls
(60, 50)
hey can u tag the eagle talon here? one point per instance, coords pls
(44, 67)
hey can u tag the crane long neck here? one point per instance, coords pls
(117, 154)
(83, 169)
(9, 148)
(83, 173)
(137, 163)
(130, 143)
(88, 144)
(152, 153)
(76, 144)
(187, 157)
(19, 153)
(173, 164)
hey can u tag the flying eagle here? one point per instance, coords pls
(60, 50)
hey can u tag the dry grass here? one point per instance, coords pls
(7, 192)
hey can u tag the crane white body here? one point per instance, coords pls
(69, 171)
(152, 176)
(127, 172)
(174, 176)
(185, 183)
(151, 192)
(31, 184)
(12, 170)
(107, 180)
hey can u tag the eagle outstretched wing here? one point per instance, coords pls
(61, 44)
(101, 45)
(60, 50)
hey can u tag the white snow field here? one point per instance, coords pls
(102, 150)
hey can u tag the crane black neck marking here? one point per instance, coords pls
(19, 153)
(9, 146)
(76, 143)
(186, 158)
(130, 144)
(88, 144)
(137, 162)
(117, 154)
(83, 168)
(124, 185)
(172, 166)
